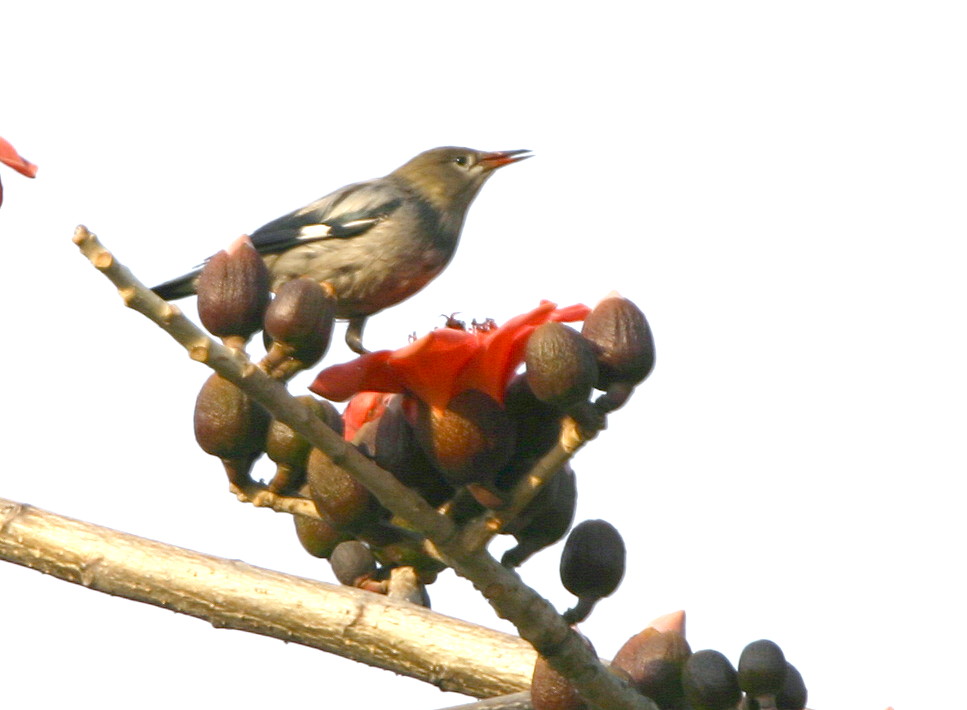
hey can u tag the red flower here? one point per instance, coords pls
(444, 362)
(9, 156)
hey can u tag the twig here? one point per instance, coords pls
(536, 620)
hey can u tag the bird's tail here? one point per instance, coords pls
(181, 287)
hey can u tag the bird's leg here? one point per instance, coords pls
(354, 335)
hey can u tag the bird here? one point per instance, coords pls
(375, 242)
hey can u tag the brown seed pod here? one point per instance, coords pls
(653, 661)
(300, 319)
(230, 426)
(233, 292)
(623, 343)
(339, 498)
(317, 536)
(469, 441)
(290, 451)
(561, 366)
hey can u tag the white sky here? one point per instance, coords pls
(780, 187)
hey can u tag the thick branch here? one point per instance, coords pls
(404, 638)
(534, 617)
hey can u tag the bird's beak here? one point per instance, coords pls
(500, 158)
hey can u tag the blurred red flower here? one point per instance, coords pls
(10, 157)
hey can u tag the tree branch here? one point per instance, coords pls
(404, 638)
(536, 620)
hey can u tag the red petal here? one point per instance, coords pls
(363, 408)
(367, 372)
(9, 156)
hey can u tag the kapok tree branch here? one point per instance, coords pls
(404, 638)
(536, 620)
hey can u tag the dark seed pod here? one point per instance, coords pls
(653, 661)
(233, 292)
(469, 441)
(317, 536)
(398, 451)
(552, 691)
(561, 366)
(592, 565)
(710, 681)
(623, 342)
(230, 426)
(290, 451)
(352, 561)
(762, 668)
(793, 694)
(300, 319)
(545, 520)
(339, 498)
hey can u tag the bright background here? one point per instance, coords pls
(779, 186)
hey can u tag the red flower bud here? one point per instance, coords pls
(653, 661)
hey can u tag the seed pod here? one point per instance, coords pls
(653, 661)
(290, 451)
(552, 691)
(624, 346)
(317, 536)
(230, 426)
(592, 565)
(398, 451)
(545, 520)
(233, 292)
(561, 366)
(351, 562)
(793, 694)
(339, 498)
(762, 669)
(469, 441)
(300, 319)
(710, 681)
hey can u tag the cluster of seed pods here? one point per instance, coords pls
(464, 454)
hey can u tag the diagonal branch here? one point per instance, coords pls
(536, 620)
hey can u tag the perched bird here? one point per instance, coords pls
(376, 242)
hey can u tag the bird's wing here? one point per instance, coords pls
(348, 212)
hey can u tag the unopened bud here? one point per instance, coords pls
(623, 343)
(793, 694)
(653, 661)
(300, 319)
(552, 691)
(545, 520)
(710, 681)
(233, 291)
(470, 440)
(317, 536)
(338, 497)
(561, 366)
(592, 565)
(351, 562)
(290, 451)
(230, 425)
(762, 669)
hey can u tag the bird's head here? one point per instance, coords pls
(449, 177)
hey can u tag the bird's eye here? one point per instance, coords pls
(461, 160)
